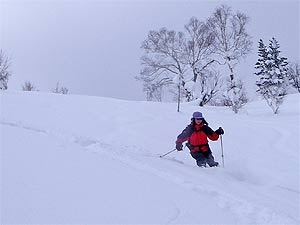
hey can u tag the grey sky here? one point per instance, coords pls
(93, 47)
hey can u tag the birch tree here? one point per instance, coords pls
(232, 43)
(199, 51)
(163, 62)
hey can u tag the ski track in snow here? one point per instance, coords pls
(176, 214)
(147, 162)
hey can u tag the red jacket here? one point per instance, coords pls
(197, 137)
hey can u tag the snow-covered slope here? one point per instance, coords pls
(89, 160)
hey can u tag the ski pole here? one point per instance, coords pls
(222, 151)
(167, 153)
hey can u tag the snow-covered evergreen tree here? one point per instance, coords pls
(294, 75)
(272, 79)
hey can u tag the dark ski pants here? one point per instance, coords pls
(203, 158)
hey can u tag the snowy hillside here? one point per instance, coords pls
(69, 159)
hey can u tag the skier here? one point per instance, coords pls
(196, 133)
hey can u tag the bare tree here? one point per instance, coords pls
(60, 90)
(169, 56)
(199, 50)
(187, 58)
(199, 46)
(294, 75)
(232, 42)
(4, 70)
(28, 86)
(153, 92)
(163, 61)
(208, 86)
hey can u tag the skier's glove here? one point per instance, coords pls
(219, 131)
(179, 146)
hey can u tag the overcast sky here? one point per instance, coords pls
(93, 47)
